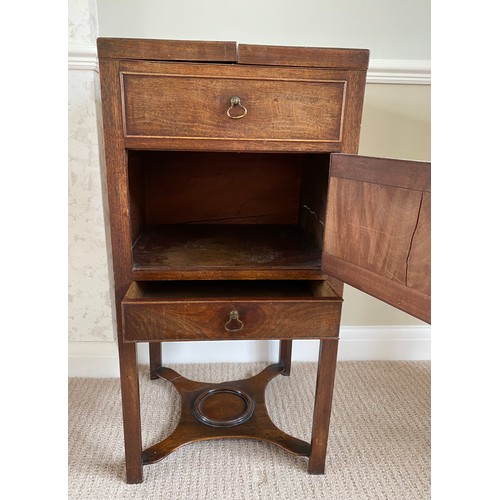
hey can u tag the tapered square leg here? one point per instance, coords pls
(325, 380)
(131, 411)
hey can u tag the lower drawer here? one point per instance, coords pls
(230, 310)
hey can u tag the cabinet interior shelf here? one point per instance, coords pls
(165, 250)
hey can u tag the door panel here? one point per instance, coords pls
(419, 262)
(377, 231)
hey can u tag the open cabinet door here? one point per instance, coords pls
(377, 229)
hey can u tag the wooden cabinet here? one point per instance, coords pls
(238, 208)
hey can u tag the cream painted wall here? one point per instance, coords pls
(396, 119)
(391, 29)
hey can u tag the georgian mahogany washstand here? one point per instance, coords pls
(237, 210)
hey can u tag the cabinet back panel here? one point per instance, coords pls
(213, 188)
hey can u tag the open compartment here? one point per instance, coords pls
(198, 215)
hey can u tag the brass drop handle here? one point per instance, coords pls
(233, 324)
(236, 103)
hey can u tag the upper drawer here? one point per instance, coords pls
(187, 106)
(230, 310)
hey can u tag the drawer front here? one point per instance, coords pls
(154, 318)
(229, 320)
(190, 106)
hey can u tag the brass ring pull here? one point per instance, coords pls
(235, 103)
(233, 324)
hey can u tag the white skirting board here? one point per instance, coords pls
(100, 359)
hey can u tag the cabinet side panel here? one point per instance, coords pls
(313, 200)
(136, 193)
(116, 176)
(353, 111)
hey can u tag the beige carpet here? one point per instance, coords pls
(379, 446)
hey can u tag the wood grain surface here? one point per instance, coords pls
(265, 311)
